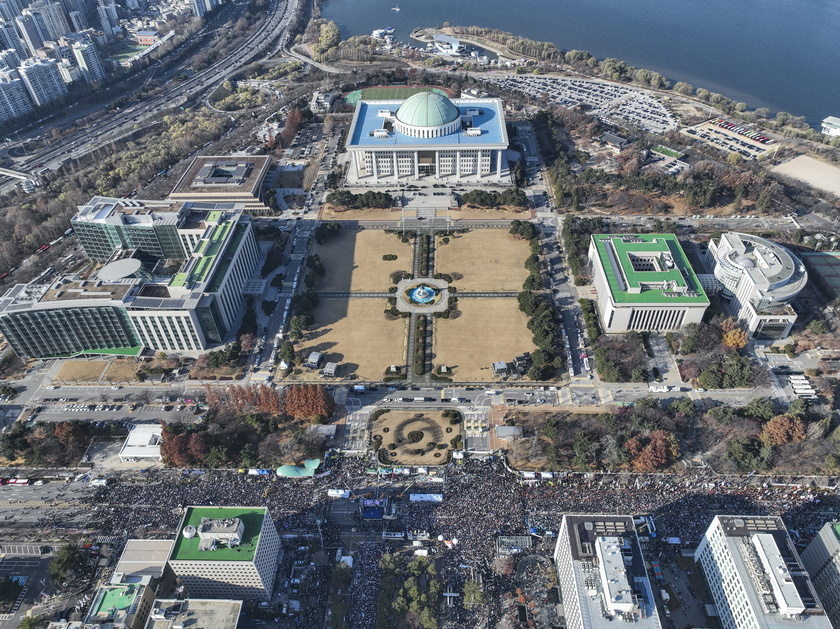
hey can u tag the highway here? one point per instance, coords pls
(270, 37)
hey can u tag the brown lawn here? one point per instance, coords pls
(487, 330)
(395, 426)
(483, 259)
(81, 370)
(121, 371)
(353, 260)
(332, 213)
(355, 333)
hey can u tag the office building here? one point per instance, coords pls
(215, 179)
(87, 58)
(174, 283)
(601, 573)
(120, 606)
(428, 137)
(644, 283)
(755, 575)
(822, 561)
(42, 80)
(14, 99)
(760, 279)
(194, 614)
(226, 552)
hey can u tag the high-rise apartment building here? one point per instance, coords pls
(30, 32)
(87, 58)
(14, 100)
(755, 575)
(43, 81)
(9, 38)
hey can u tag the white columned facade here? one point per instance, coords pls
(416, 165)
(499, 164)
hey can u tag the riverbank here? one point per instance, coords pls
(426, 36)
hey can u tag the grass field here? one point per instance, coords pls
(389, 93)
(128, 52)
(487, 330)
(395, 426)
(355, 333)
(353, 260)
(487, 259)
(664, 150)
(121, 371)
(81, 370)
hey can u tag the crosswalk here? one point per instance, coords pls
(356, 433)
(24, 550)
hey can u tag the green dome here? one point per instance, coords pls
(427, 109)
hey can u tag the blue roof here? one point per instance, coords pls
(491, 122)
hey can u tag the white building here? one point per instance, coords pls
(87, 57)
(760, 279)
(142, 443)
(601, 572)
(755, 575)
(428, 137)
(822, 560)
(644, 283)
(138, 300)
(831, 125)
(226, 552)
(42, 80)
(194, 613)
(14, 99)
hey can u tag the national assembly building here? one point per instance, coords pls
(428, 137)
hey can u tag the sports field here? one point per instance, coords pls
(395, 427)
(353, 260)
(812, 171)
(487, 330)
(483, 260)
(389, 93)
(355, 333)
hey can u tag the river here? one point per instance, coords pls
(779, 54)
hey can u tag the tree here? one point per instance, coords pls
(782, 429)
(34, 622)
(65, 562)
(684, 405)
(683, 88)
(760, 408)
(9, 590)
(473, 594)
(735, 338)
(309, 401)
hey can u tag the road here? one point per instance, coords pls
(122, 123)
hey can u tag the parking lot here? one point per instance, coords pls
(610, 102)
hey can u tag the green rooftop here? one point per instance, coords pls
(114, 598)
(187, 549)
(179, 280)
(643, 282)
(836, 527)
(107, 351)
(213, 217)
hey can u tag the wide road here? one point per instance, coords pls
(270, 36)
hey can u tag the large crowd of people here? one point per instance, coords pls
(481, 500)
